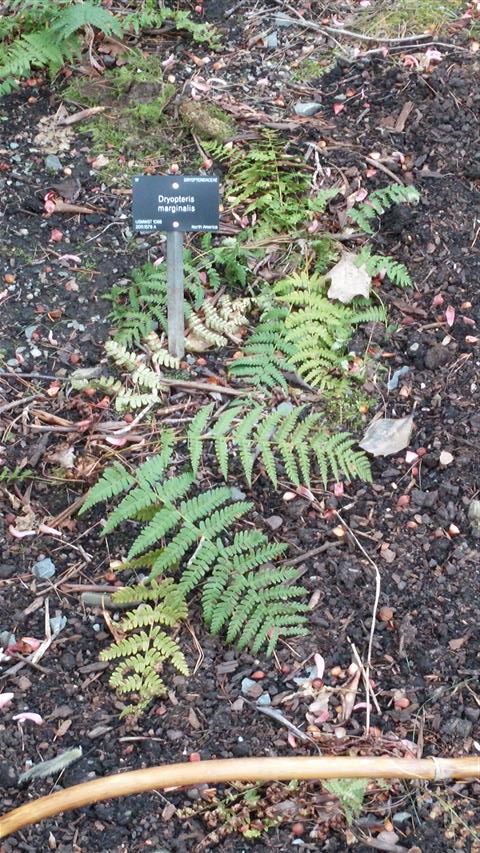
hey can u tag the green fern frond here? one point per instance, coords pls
(380, 201)
(257, 604)
(317, 330)
(44, 34)
(266, 353)
(350, 793)
(146, 648)
(194, 435)
(375, 264)
(79, 15)
(113, 482)
(285, 436)
(199, 542)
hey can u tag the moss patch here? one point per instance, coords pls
(206, 120)
(134, 132)
(402, 17)
(312, 68)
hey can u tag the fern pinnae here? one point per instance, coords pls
(219, 431)
(114, 480)
(201, 506)
(243, 439)
(195, 433)
(199, 565)
(263, 441)
(162, 522)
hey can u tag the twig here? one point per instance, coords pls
(318, 28)
(202, 386)
(378, 587)
(11, 374)
(379, 165)
(15, 403)
(368, 686)
(80, 116)
(280, 718)
(312, 553)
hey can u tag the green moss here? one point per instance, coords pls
(206, 120)
(402, 17)
(133, 132)
(311, 69)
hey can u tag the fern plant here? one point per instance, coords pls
(143, 383)
(271, 184)
(192, 536)
(288, 435)
(350, 794)
(266, 353)
(45, 34)
(151, 17)
(375, 264)
(379, 202)
(143, 648)
(307, 334)
(318, 330)
(140, 305)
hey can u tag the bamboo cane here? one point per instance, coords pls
(257, 769)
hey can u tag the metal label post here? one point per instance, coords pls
(176, 325)
(175, 204)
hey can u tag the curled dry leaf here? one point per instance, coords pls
(385, 436)
(450, 315)
(29, 716)
(5, 699)
(320, 664)
(348, 279)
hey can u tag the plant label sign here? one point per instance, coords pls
(175, 203)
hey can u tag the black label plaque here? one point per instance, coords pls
(175, 203)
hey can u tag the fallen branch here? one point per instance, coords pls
(258, 769)
(15, 403)
(80, 116)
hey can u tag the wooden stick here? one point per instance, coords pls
(258, 769)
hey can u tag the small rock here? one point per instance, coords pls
(274, 522)
(52, 163)
(196, 793)
(174, 734)
(457, 727)
(385, 614)
(44, 569)
(446, 458)
(8, 777)
(100, 162)
(401, 817)
(7, 570)
(250, 688)
(473, 517)
(307, 108)
(237, 494)
(271, 41)
(436, 357)
(439, 549)
(472, 714)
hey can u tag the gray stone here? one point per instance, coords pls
(307, 108)
(457, 727)
(7, 570)
(52, 163)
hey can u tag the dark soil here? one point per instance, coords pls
(54, 319)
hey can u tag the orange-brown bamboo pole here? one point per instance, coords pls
(237, 770)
